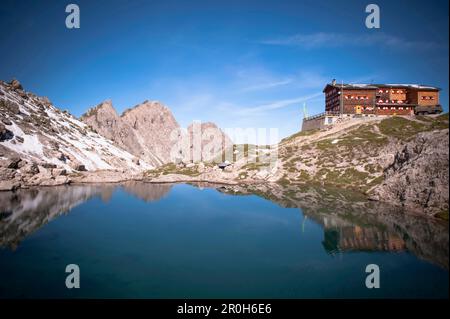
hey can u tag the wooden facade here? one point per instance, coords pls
(381, 99)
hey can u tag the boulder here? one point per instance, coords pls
(31, 169)
(7, 174)
(60, 180)
(201, 167)
(80, 168)
(5, 134)
(9, 185)
(16, 85)
(21, 164)
(61, 156)
(262, 174)
(48, 165)
(43, 178)
(12, 107)
(45, 100)
(12, 163)
(6, 121)
(58, 172)
(20, 139)
(44, 172)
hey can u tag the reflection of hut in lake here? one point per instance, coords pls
(356, 238)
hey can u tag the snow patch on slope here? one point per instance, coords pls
(59, 133)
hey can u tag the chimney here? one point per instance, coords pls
(333, 83)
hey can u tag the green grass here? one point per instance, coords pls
(284, 181)
(349, 177)
(373, 168)
(440, 122)
(442, 215)
(404, 129)
(299, 134)
(254, 166)
(248, 150)
(304, 175)
(173, 169)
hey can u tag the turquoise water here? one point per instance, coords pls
(181, 241)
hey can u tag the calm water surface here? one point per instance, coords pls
(181, 241)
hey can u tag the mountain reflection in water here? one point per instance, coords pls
(348, 225)
(25, 211)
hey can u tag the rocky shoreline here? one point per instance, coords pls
(48, 177)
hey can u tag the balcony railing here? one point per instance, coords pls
(316, 116)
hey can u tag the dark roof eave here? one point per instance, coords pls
(347, 86)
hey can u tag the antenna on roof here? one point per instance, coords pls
(341, 106)
(305, 110)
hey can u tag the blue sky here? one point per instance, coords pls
(236, 63)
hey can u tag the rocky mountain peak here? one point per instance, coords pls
(144, 130)
(207, 141)
(147, 107)
(39, 143)
(104, 107)
(150, 131)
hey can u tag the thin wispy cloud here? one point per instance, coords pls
(276, 105)
(329, 40)
(267, 85)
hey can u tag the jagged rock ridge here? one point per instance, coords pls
(39, 143)
(150, 131)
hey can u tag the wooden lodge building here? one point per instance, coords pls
(358, 100)
(381, 99)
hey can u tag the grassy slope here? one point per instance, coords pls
(354, 159)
